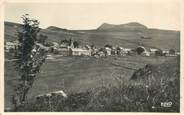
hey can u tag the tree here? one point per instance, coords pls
(158, 53)
(139, 50)
(42, 39)
(30, 57)
(109, 46)
(76, 44)
(65, 41)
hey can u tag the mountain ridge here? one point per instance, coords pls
(8, 23)
(130, 25)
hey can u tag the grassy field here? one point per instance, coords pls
(155, 84)
(78, 74)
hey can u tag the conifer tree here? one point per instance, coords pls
(30, 57)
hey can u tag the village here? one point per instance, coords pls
(72, 48)
(66, 49)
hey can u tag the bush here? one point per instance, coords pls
(140, 50)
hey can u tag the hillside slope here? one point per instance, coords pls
(129, 36)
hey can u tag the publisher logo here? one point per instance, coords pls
(166, 104)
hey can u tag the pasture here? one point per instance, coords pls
(78, 74)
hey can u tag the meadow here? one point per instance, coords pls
(79, 74)
(147, 93)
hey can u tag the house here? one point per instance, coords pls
(172, 52)
(63, 45)
(121, 51)
(101, 53)
(165, 52)
(79, 52)
(94, 51)
(108, 51)
(153, 50)
(10, 46)
(63, 51)
(87, 47)
(55, 45)
(114, 51)
(127, 50)
(159, 53)
(146, 53)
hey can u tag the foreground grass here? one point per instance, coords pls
(126, 97)
(77, 74)
(144, 94)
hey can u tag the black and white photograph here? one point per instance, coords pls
(92, 56)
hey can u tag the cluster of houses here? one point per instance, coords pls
(108, 50)
(87, 50)
(10, 46)
(70, 49)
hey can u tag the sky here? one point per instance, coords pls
(159, 14)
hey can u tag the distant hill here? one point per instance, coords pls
(125, 35)
(12, 24)
(10, 30)
(128, 26)
(53, 28)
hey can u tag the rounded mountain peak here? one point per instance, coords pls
(131, 25)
